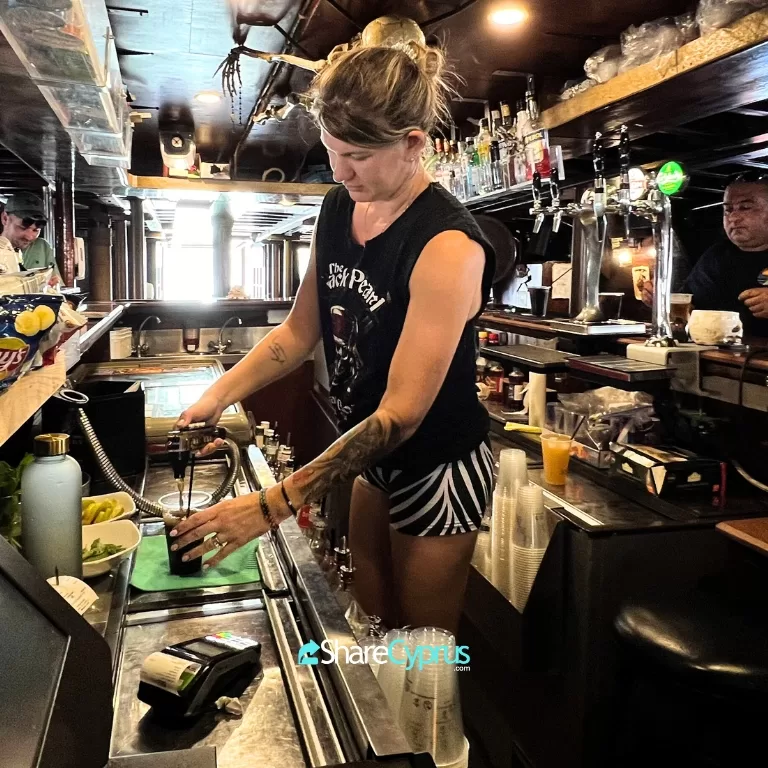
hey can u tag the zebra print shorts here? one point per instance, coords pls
(449, 499)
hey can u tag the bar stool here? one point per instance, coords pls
(695, 677)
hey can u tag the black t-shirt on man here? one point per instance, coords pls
(721, 274)
(364, 296)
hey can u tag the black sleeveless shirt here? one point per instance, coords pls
(364, 296)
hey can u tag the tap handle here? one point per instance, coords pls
(624, 160)
(537, 190)
(598, 158)
(624, 150)
(554, 187)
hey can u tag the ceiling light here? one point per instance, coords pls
(208, 97)
(508, 17)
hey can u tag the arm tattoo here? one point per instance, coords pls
(277, 352)
(347, 457)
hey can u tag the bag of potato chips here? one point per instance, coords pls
(24, 322)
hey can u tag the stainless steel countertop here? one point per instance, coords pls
(295, 715)
(266, 735)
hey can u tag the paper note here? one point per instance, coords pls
(77, 593)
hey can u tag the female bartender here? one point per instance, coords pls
(398, 273)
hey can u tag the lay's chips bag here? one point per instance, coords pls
(24, 321)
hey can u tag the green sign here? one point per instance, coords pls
(671, 178)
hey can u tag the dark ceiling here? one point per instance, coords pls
(171, 52)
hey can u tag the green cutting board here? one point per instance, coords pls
(151, 574)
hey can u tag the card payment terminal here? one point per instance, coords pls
(185, 679)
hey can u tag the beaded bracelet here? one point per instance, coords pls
(265, 509)
(287, 500)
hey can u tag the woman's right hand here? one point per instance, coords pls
(208, 410)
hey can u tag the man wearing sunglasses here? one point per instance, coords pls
(23, 219)
(733, 275)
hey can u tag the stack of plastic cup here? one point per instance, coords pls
(390, 674)
(513, 473)
(430, 712)
(513, 469)
(530, 538)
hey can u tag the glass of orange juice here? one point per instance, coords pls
(556, 452)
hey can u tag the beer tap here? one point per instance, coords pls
(557, 211)
(538, 208)
(599, 204)
(657, 208)
(624, 199)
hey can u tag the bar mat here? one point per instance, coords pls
(150, 573)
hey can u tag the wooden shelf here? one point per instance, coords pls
(304, 192)
(22, 399)
(720, 71)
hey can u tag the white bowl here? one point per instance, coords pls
(122, 498)
(122, 532)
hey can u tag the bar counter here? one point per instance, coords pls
(529, 327)
(293, 716)
(545, 679)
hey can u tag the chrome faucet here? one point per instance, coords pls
(141, 347)
(221, 346)
(592, 212)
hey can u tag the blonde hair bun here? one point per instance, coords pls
(372, 96)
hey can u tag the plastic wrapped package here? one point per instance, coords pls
(30, 281)
(642, 44)
(574, 88)
(25, 321)
(608, 412)
(687, 26)
(68, 322)
(716, 14)
(602, 65)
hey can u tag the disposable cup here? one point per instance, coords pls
(556, 453)
(430, 711)
(390, 674)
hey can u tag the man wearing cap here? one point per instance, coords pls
(22, 220)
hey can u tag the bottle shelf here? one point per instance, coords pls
(23, 398)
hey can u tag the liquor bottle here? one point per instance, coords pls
(536, 140)
(507, 145)
(483, 143)
(495, 122)
(462, 175)
(474, 186)
(522, 127)
(496, 182)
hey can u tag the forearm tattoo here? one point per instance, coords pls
(277, 352)
(353, 452)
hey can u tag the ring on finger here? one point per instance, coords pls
(218, 542)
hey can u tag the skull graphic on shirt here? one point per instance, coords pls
(347, 363)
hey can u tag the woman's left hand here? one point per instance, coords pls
(234, 522)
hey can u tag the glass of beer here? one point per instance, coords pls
(680, 306)
(610, 305)
(556, 452)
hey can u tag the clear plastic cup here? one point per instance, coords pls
(430, 711)
(556, 453)
(531, 530)
(502, 524)
(390, 674)
(513, 469)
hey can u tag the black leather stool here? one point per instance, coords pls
(702, 660)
